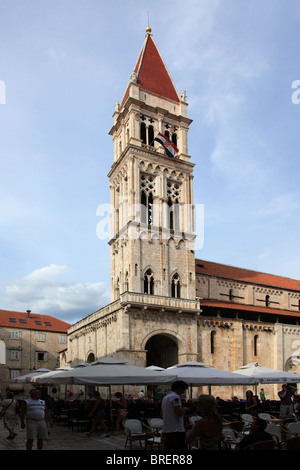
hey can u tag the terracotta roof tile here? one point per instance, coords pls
(248, 308)
(32, 321)
(152, 74)
(245, 275)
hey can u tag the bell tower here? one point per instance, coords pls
(152, 228)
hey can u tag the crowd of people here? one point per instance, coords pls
(36, 415)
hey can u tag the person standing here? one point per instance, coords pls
(121, 411)
(286, 402)
(9, 412)
(173, 418)
(251, 403)
(36, 413)
(97, 415)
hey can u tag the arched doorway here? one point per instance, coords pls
(162, 351)
(91, 358)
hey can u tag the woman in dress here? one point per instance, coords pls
(9, 412)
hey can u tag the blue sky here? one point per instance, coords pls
(64, 64)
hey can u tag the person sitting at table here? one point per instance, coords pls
(257, 434)
(209, 428)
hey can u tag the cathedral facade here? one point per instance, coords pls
(166, 306)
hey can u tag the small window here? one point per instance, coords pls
(149, 283)
(143, 134)
(212, 342)
(47, 323)
(22, 320)
(14, 355)
(14, 334)
(13, 320)
(37, 322)
(175, 286)
(41, 356)
(256, 344)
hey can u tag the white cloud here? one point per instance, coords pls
(48, 291)
(283, 206)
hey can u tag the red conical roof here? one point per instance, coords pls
(152, 74)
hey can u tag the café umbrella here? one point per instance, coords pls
(22, 379)
(267, 375)
(110, 371)
(196, 373)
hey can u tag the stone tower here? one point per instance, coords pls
(152, 317)
(152, 233)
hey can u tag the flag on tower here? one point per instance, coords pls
(170, 147)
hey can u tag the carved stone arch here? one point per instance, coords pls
(171, 242)
(292, 364)
(143, 235)
(165, 331)
(149, 168)
(90, 357)
(149, 267)
(157, 170)
(175, 271)
(180, 177)
(162, 348)
(180, 243)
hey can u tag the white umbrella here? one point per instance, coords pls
(197, 373)
(267, 375)
(26, 378)
(110, 371)
(155, 368)
(47, 376)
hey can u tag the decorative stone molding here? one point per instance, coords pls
(259, 327)
(217, 324)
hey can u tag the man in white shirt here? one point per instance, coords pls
(36, 413)
(173, 418)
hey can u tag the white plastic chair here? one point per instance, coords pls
(293, 428)
(134, 431)
(228, 433)
(275, 431)
(156, 427)
(247, 418)
(265, 416)
(194, 419)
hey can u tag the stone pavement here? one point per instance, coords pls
(62, 438)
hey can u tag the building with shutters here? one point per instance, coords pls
(29, 341)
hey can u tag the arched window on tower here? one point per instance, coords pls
(174, 139)
(151, 136)
(175, 286)
(143, 134)
(146, 208)
(267, 300)
(148, 282)
(173, 207)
